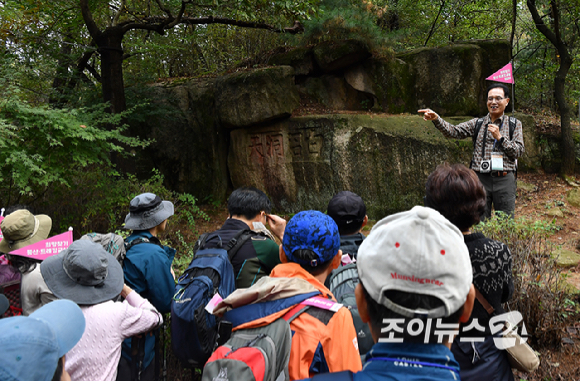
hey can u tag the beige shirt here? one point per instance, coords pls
(34, 293)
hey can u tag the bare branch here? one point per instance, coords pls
(179, 16)
(556, 16)
(119, 12)
(434, 23)
(542, 27)
(89, 21)
(165, 10)
(157, 24)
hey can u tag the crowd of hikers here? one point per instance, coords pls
(311, 297)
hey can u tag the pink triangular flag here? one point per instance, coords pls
(47, 248)
(1, 236)
(502, 75)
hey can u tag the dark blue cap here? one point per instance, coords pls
(314, 231)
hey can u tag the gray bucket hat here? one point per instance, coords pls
(21, 228)
(147, 211)
(84, 273)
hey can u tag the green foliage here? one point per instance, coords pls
(185, 256)
(540, 291)
(346, 19)
(433, 23)
(97, 200)
(191, 211)
(40, 146)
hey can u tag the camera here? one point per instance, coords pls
(485, 166)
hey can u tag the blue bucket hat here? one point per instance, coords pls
(32, 345)
(311, 230)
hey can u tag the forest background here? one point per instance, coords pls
(74, 75)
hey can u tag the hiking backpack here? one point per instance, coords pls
(260, 354)
(342, 283)
(194, 331)
(113, 244)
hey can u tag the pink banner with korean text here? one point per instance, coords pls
(46, 248)
(1, 218)
(505, 75)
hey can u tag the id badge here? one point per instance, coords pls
(496, 161)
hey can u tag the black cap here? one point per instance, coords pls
(346, 208)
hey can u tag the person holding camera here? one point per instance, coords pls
(498, 142)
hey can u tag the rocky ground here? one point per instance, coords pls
(546, 197)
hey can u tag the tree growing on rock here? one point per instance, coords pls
(108, 22)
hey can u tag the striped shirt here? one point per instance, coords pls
(510, 149)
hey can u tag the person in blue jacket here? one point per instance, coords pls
(147, 270)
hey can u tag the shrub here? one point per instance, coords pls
(540, 292)
(41, 147)
(97, 200)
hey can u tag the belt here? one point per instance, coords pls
(497, 173)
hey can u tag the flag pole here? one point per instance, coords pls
(513, 92)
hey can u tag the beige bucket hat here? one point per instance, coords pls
(22, 228)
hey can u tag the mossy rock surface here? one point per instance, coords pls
(451, 79)
(335, 93)
(527, 186)
(555, 212)
(566, 258)
(333, 56)
(301, 59)
(256, 96)
(573, 197)
(447, 79)
(189, 147)
(393, 84)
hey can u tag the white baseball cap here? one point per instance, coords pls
(420, 252)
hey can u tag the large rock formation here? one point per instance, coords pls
(257, 96)
(302, 162)
(236, 130)
(190, 147)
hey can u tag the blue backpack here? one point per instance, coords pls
(194, 331)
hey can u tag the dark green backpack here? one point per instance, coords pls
(342, 283)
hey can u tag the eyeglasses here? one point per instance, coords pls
(497, 99)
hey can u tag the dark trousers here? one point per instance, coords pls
(481, 361)
(501, 192)
(124, 371)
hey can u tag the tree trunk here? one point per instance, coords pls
(567, 140)
(514, 19)
(60, 78)
(111, 50)
(554, 35)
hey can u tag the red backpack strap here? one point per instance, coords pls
(295, 312)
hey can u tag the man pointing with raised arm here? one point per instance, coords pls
(498, 143)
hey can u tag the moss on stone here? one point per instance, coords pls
(566, 258)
